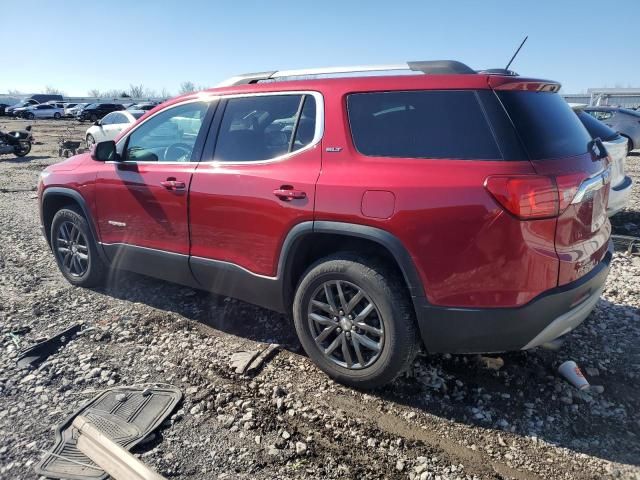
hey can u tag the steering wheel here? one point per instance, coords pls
(178, 152)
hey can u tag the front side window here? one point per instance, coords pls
(169, 136)
(265, 127)
(421, 124)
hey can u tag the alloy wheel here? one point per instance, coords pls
(346, 325)
(73, 249)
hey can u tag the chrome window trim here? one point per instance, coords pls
(317, 134)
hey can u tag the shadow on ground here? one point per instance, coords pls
(525, 393)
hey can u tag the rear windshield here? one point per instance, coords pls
(546, 124)
(421, 124)
(596, 128)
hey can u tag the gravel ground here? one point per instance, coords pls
(453, 417)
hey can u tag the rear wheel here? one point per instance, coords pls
(75, 249)
(93, 117)
(29, 116)
(56, 116)
(355, 320)
(630, 145)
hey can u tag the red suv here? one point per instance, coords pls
(460, 210)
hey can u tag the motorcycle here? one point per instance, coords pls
(17, 143)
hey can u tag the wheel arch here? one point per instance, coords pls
(56, 198)
(310, 241)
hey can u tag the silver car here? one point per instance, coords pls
(43, 111)
(623, 120)
(617, 147)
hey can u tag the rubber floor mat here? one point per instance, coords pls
(126, 415)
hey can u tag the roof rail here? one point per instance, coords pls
(434, 67)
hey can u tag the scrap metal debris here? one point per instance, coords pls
(626, 243)
(126, 415)
(250, 362)
(31, 357)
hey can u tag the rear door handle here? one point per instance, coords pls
(172, 184)
(288, 194)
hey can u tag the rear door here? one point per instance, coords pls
(256, 183)
(559, 146)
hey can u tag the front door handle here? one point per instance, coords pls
(288, 194)
(172, 184)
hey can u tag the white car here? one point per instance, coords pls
(43, 110)
(616, 146)
(111, 125)
(71, 111)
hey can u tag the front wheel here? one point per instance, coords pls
(75, 249)
(29, 116)
(23, 149)
(355, 320)
(57, 116)
(93, 118)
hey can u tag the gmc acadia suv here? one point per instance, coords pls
(459, 210)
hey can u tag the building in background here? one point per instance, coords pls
(615, 97)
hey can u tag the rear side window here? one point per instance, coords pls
(546, 124)
(421, 124)
(265, 127)
(595, 128)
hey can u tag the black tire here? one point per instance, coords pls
(630, 145)
(93, 117)
(29, 116)
(21, 152)
(90, 140)
(57, 116)
(387, 292)
(95, 272)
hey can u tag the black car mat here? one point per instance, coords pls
(126, 415)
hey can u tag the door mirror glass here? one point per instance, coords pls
(97, 123)
(105, 151)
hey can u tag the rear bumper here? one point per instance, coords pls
(619, 196)
(483, 330)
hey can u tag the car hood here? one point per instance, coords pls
(70, 164)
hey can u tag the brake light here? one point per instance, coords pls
(568, 186)
(525, 196)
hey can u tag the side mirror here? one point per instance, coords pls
(105, 152)
(598, 150)
(97, 123)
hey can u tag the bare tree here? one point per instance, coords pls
(13, 91)
(94, 92)
(165, 93)
(136, 91)
(52, 90)
(149, 93)
(187, 87)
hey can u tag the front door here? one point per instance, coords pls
(141, 200)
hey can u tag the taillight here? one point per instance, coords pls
(525, 196)
(568, 186)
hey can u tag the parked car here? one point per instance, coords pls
(623, 120)
(143, 106)
(42, 111)
(20, 106)
(111, 125)
(616, 146)
(461, 210)
(3, 107)
(73, 109)
(46, 97)
(96, 111)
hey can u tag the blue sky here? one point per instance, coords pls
(80, 45)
